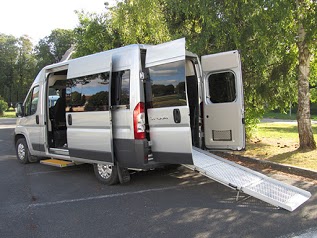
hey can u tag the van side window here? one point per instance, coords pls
(222, 87)
(168, 84)
(120, 88)
(88, 93)
(32, 101)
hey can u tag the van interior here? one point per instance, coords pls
(56, 110)
(193, 99)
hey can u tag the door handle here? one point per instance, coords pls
(177, 115)
(37, 119)
(70, 119)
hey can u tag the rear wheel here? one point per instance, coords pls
(22, 150)
(106, 174)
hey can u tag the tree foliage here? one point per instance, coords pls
(251, 26)
(8, 56)
(51, 48)
(20, 61)
(94, 34)
(137, 21)
(3, 106)
(16, 67)
(25, 67)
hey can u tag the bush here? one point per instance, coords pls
(3, 107)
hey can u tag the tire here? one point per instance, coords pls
(106, 174)
(22, 151)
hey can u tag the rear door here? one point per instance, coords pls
(223, 101)
(88, 114)
(169, 121)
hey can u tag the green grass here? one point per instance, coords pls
(9, 114)
(278, 142)
(284, 116)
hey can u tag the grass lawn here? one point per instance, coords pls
(278, 142)
(277, 115)
(9, 114)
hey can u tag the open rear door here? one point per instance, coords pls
(168, 117)
(89, 127)
(223, 101)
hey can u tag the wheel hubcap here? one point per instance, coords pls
(105, 171)
(21, 151)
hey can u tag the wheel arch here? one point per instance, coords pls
(18, 136)
(21, 135)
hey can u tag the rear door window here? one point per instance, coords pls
(168, 84)
(222, 87)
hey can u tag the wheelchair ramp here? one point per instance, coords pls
(248, 181)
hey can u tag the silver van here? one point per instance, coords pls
(136, 107)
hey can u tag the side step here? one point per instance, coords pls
(58, 163)
(248, 181)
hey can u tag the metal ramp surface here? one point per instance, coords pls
(248, 181)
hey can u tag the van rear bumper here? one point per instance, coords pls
(132, 153)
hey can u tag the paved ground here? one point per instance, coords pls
(42, 201)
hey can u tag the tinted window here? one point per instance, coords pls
(88, 93)
(120, 91)
(222, 87)
(168, 84)
(32, 101)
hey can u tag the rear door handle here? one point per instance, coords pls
(70, 119)
(37, 119)
(177, 115)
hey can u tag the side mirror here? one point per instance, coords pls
(19, 109)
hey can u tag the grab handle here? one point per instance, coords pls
(177, 115)
(70, 119)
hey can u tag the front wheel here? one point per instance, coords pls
(106, 174)
(22, 150)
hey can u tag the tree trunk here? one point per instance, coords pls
(306, 138)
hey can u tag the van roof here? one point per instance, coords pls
(123, 48)
(92, 62)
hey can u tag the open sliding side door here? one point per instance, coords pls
(223, 101)
(89, 126)
(169, 121)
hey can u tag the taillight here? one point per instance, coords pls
(139, 121)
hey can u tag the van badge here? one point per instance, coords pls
(158, 118)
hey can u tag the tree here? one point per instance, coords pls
(51, 48)
(129, 22)
(3, 106)
(305, 39)
(8, 57)
(250, 26)
(94, 34)
(265, 31)
(140, 21)
(25, 67)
